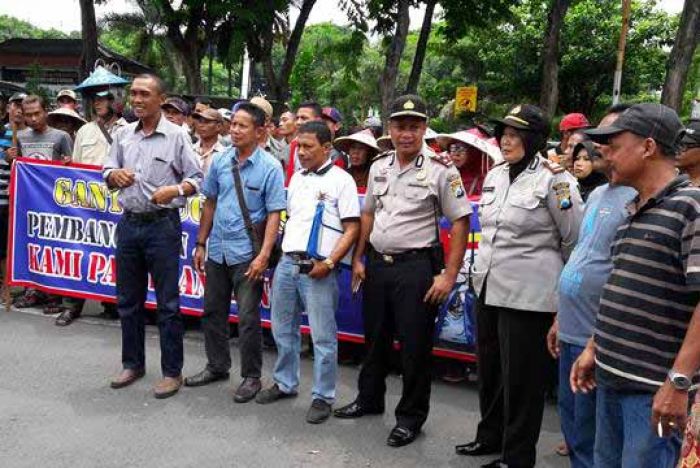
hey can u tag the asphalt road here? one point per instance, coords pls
(57, 410)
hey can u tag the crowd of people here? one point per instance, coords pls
(589, 252)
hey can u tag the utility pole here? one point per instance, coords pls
(617, 81)
(245, 75)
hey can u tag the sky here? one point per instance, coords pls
(64, 15)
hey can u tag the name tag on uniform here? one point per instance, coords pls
(488, 189)
(379, 178)
(417, 184)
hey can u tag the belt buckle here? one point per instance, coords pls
(388, 259)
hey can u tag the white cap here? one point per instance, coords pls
(67, 93)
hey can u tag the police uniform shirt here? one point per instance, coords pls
(404, 201)
(528, 230)
(329, 184)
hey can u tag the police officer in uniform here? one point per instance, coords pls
(530, 220)
(406, 277)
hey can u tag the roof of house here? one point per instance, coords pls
(66, 47)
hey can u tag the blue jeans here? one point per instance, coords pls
(150, 247)
(576, 411)
(291, 293)
(624, 434)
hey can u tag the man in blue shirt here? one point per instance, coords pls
(580, 286)
(233, 265)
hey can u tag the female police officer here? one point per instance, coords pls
(529, 223)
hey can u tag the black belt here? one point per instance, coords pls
(149, 216)
(298, 256)
(390, 259)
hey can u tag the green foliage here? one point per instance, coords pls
(14, 27)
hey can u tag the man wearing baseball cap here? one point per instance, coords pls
(176, 110)
(688, 161)
(207, 124)
(267, 142)
(66, 98)
(334, 120)
(570, 124)
(645, 352)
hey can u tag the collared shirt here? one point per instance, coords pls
(205, 158)
(263, 186)
(528, 229)
(329, 184)
(408, 202)
(654, 287)
(91, 146)
(585, 274)
(162, 158)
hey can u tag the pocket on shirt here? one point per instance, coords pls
(417, 193)
(254, 198)
(161, 173)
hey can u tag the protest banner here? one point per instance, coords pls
(62, 240)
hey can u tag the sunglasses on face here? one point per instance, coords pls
(458, 149)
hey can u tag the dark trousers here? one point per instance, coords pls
(222, 280)
(511, 346)
(142, 248)
(393, 306)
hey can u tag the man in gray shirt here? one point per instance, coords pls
(154, 166)
(40, 141)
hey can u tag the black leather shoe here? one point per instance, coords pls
(247, 390)
(495, 464)
(204, 378)
(354, 410)
(401, 436)
(272, 394)
(475, 449)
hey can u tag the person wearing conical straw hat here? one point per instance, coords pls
(361, 148)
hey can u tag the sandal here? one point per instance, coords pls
(67, 317)
(29, 299)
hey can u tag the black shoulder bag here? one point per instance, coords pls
(256, 232)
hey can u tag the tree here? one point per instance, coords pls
(387, 82)
(682, 55)
(15, 27)
(549, 89)
(417, 67)
(89, 36)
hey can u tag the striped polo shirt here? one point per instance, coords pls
(652, 291)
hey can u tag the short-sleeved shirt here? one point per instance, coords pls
(654, 287)
(528, 229)
(407, 202)
(50, 145)
(329, 184)
(589, 266)
(91, 145)
(263, 186)
(165, 157)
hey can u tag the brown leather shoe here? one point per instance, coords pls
(126, 377)
(167, 387)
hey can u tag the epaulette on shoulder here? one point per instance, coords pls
(382, 155)
(442, 158)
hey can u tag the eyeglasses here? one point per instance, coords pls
(688, 146)
(459, 149)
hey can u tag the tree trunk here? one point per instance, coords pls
(421, 46)
(89, 36)
(387, 84)
(279, 85)
(549, 87)
(681, 55)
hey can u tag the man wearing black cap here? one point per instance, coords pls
(406, 276)
(688, 161)
(176, 110)
(646, 349)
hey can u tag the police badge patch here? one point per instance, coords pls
(563, 194)
(457, 188)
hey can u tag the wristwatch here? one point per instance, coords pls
(679, 381)
(329, 263)
(180, 190)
